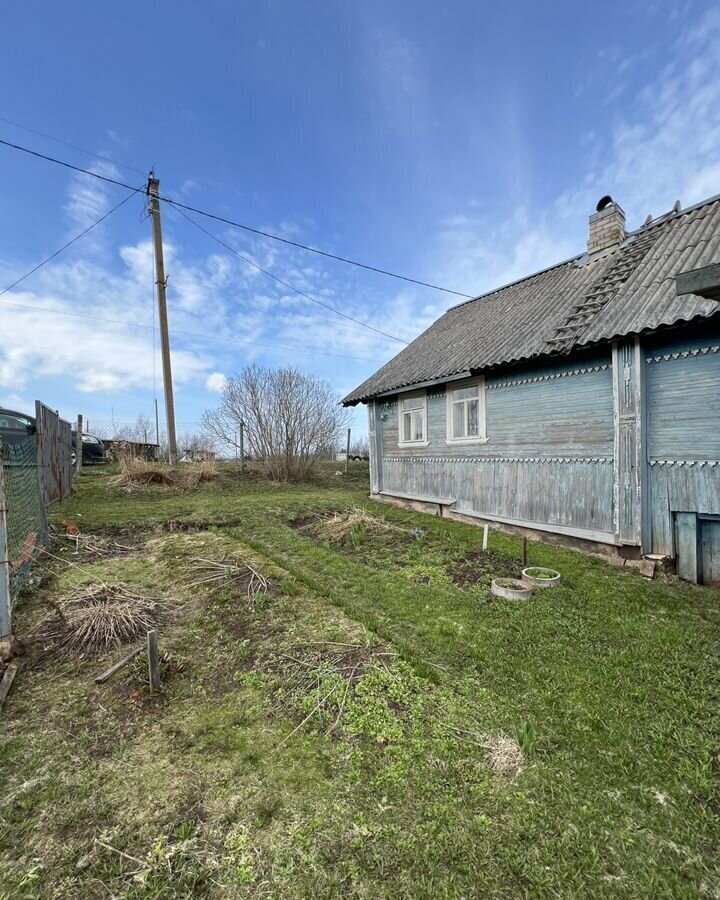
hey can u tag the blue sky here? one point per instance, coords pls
(460, 143)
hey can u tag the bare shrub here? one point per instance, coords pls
(290, 418)
(136, 473)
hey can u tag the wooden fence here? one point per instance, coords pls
(54, 449)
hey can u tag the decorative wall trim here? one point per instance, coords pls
(496, 459)
(701, 463)
(389, 404)
(503, 384)
(683, 354)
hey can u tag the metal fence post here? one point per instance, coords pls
(78, 444)
(5, 626)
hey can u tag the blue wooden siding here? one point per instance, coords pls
(555, 450)
(564, 410)
(683, 433)
(549, 455)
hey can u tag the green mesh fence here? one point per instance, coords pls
(27, 527)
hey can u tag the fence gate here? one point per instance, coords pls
(54, 448)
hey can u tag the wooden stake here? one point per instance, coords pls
(7, 681)
(101, 679)
(485, 537)
(153, 660)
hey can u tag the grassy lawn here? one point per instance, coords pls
(374, 726)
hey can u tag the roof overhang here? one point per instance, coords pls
(405, 388)
(704, 282)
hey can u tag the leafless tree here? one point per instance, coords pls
(142, 431)
(289, 418)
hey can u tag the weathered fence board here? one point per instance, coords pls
(54, 450)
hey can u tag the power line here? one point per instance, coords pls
(287, 284)
(77, 237)
(51, 137)
(298, 319)
(70, 242)
(67, 165)
(257, 231)
(342, 259)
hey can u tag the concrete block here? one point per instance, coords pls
(647, 568)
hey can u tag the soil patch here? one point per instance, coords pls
(474, 568)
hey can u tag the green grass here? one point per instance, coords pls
(404, 671)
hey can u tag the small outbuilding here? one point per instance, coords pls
(582, 401)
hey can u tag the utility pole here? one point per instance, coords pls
(153, 188)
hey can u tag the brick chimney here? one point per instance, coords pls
(607, 226)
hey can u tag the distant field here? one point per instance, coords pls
(375, 725)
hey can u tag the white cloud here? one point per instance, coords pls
(88, 196)
(216, 381)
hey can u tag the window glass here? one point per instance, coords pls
(458, 424)
(412, 419)
(473, 418)
(466, 413)
(407, 426)
(13, 422)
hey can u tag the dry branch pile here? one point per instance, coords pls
(97, 618)
(91, 544)
(305, 662)
(328, 672)
(138, 473)
(228, 572)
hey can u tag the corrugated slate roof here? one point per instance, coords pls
(578, 302)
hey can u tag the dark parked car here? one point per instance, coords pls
(15, 426)
(93, 449)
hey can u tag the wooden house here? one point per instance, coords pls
(582, 401)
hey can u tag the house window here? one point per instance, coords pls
(466, 413)
(413, 420)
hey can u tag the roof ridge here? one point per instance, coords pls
(670, 216)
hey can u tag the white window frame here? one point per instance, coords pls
(418, 395)
(481, 437)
